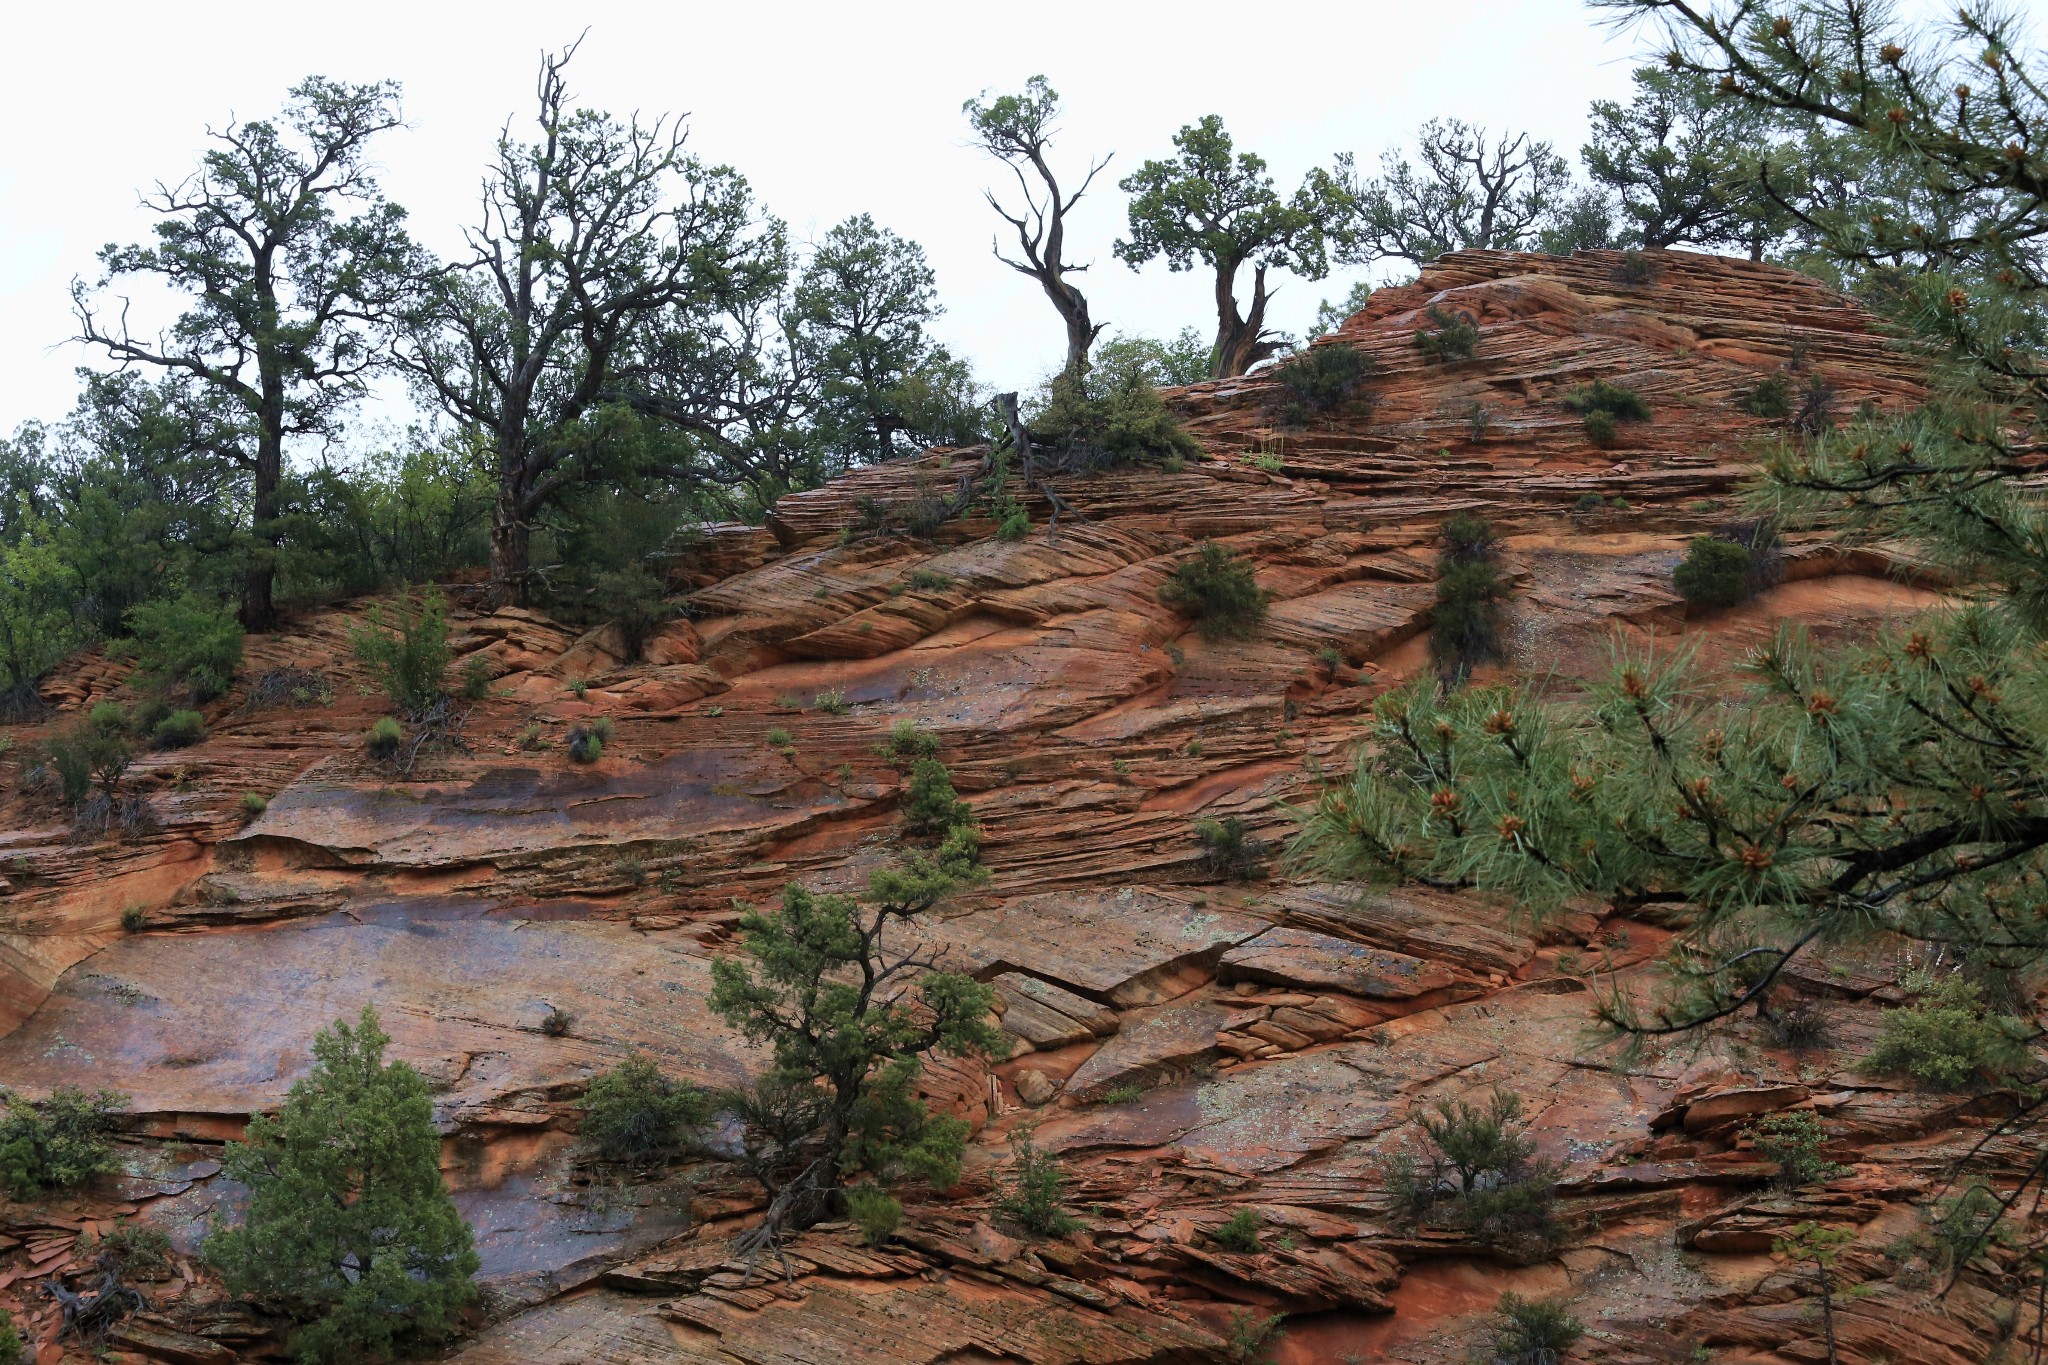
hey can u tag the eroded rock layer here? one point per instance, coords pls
(1189, 1046)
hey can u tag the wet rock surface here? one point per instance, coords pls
(1191, 1047)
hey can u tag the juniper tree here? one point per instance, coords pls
(1891, 791)
(350, 1230)
(1211, 205)
(847, 995)
(296, 268)
(611, 272)
(1017, 130)
(1472, 189)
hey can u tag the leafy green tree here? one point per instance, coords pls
(1330, 316)
(40, 617)
(296, 267)
(1678, 158)
(1471, 189)
(1216, 205)
(611, 268)
(1181, 359)
(861, 309)
(413, 511)
(136, 502)
(185, 645)
(58, 1142)
(847, 995)
(350, 1228)
(1017, 130)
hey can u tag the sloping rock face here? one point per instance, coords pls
(1189, 1047)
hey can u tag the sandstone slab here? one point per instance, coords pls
(1299, 957)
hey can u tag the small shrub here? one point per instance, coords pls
(1240, 1233)
(1469, 624)
(1450, 336)
(1478, 1173)
(11, 1344)
(832, 703)
(1173, 464)
(1017, 525)
(578, 688)
(133, 917)
(930, 804)
(586, 741)
(476, 679)
(789, 701)
(1533, 1331)
(1624, 404)
(1589, 502)
(1330, 657)
(1229, 850)
(1251, 1333)
(1125, 423)
(132, 1253)
(875, 1212)
(407, 652)
(1793, 1138)
(1816, 412)
(909, 740)
(180, 730)
(1713, 574)
(1032, 1197)
(779, 738)
(1193, 748)
(1123, 1094)
(1966, 1224)
(289, 687)
(1772, 397)
(184, 645)
(93, 750)
(1220, 590)
(930, 580)
(1268, 461)
(1801, 1026)
(1634, 268)
(635, 1115)
(384, 739)
(57, 1143)
(253, 805)
(555, 1023)
(1948, 1038)
(532, 737)
(1478, 418)
(1320, 381)
(1600, 428)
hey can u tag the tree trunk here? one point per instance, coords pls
(510, 549)
(1240, 342)
(1080, 333)
(258, 610)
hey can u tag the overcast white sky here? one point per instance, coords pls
(829, 109)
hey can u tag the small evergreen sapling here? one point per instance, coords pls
(848, 1001)
(1468, 627)
(1220, 590)
(350, 1229)
(1033, 1195)
(407, 651)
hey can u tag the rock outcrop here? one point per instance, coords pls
(1190, 1047)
